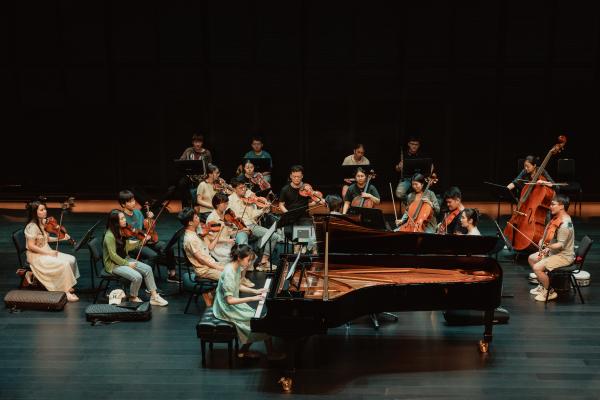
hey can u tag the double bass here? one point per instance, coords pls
(530, 215)
(419, 212)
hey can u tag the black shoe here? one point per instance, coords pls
(173, 279)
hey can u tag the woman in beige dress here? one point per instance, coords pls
(56, 271)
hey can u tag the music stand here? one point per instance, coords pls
(87, 236)
(191, 167)
(369, 217)
(287, 219)
(501, 193)
(416, 165)
(266, 239)
(260, 164)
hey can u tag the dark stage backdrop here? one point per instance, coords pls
(100, 95)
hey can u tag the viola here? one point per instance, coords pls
(129, 231)
(52, 226)
(231, 218)
(259, 180)
(150, 226)
(443, 228)
(550, 231)
(530, 215)
(221, 186)
(360, 201)
(307, 191)
(419, 212)
(209, 227)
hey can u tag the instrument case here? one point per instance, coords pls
(96, 313)
(35, 300)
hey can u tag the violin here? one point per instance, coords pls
(260, 202)
(550, 231)
(259, 180)
(231, 218)
(129, 231)
(221, 186)
(307, 191)
(443, 228)
(419, 212)
(360, 201)
(52, 226)
(530, 215)
(150, 226)
(209, 227)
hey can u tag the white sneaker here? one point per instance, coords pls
(537, 290)
(542, 295)
(158, 301)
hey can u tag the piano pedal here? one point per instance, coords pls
(286, 383)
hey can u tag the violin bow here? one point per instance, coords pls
(525, 236)
(393, 201)
(66, 204)
(154, 220)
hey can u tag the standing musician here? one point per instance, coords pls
(151, 252)
(469, 218)
(530, 167)
(413, 146)
(206, 190)
(258, 152)
(359, 189)
(451, 223)
(418, 186)
(255, 181)
(249, 213)
(556, 248)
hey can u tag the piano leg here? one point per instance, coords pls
(488, 319)
(375, 318)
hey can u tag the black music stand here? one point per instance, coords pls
(87, 236)
(287, 219)
(260, 164)
(501, 193)
(191, 167)
(370, 217)
(416, 165)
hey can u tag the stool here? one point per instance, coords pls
(213, 330)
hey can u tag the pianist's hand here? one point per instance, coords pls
(261, 290)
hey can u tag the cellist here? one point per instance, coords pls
(530, 167)
(360, 189)
(418, 186)
(557, 247)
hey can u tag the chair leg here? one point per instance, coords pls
(576, 286)
(203, 348)
(229, 345)
(99, 290)
(188, 303)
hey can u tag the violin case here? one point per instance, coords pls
(102, 313)
(474, 317)
(35, 300)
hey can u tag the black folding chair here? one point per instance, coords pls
(568, 273)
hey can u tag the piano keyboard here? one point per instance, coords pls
(261, 303)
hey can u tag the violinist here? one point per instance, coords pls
(530, 167)
(206, 190)
(249, 213)
(418, 187)
(469, 218)
(451, 223)
(357, 189)
(556, 248)
(56, 271)
(116, 261)
(258, 152)
(255, 181)
(221, 242)
(290, 199)
(152, 252)
(196, 247)
(413, 150)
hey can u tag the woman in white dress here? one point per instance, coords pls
(55, 270)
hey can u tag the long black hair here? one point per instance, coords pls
(240, 251)
(112, 224)
(32, 209)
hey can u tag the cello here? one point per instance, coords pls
(419, 212)
(530, 215)
(360, 201)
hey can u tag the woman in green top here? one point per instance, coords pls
(116, 247)
(229, 306)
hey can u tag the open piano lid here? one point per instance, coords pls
(347, 235)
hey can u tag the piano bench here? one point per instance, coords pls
(211, 330)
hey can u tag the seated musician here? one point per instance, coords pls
(250, 213)
(530, 166)
(206, 190)
(357, 157)
(152, 253)
(255, 181)
(560, 250)
(258, 152)
(55, 270)
(413, 150)
(116, 261)
(221, 242)
(229, 306)
(451, 223)
(196, 247)
(418, 186)
(187, 183)
(469, 218)
(334, 203)
(357, 190)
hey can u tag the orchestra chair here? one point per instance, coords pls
(565, 172)
(18, 238)
(97, 269)
(564, 277)
(211, 330)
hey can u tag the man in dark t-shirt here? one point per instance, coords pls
(290, 199)
(451, 222)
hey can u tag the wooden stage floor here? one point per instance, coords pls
(544, 352)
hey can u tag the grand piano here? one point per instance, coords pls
(361, 271)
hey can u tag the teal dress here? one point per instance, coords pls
(238, 314)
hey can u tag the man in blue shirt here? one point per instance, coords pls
(258, 152)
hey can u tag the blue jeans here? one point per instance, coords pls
(403, 188)
(135, 275)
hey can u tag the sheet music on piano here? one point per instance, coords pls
(261, 303)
